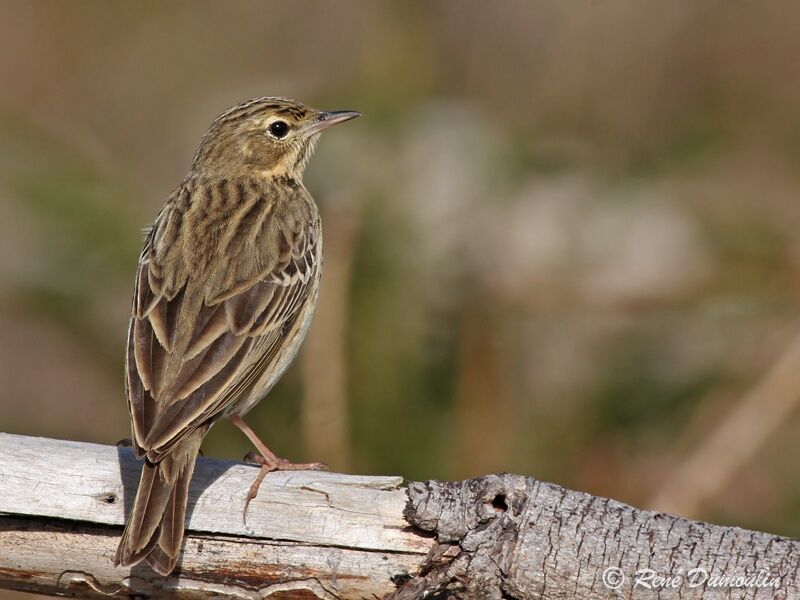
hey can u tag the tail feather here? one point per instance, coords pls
(170, 537)
(160, 561)
(154, 530)
(141, 531)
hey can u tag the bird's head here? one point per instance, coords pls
(268, 137)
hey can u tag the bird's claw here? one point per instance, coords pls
(268, 465)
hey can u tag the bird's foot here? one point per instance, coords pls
(269, 464)
(273, 463)
(268, 461)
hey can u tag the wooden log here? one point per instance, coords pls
(332, 536)
(322, 535)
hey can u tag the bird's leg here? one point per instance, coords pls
(268, 461)
(266, 457)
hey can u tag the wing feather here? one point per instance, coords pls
(204, 332)
(211, 324)
(243, 309)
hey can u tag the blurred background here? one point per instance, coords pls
(561, 242)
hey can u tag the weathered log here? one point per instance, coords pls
(331, 536)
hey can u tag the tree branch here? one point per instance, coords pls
(331, 536)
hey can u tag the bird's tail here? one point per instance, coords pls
(154, 531)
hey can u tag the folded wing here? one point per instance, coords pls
(203, 332)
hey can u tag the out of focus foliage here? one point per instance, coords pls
(570, 229)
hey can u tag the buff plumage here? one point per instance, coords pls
(224, 294)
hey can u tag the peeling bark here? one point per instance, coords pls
(511, 537)
(331, 536)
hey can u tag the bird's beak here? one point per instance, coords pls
(326, 119)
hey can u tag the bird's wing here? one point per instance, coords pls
(191, 354)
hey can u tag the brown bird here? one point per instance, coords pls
(225, 292)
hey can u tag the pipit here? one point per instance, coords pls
(224, 295)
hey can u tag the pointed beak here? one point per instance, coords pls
(326, 119)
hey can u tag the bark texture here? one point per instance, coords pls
(332, 536)
(511, 537)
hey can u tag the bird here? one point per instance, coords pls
(224, 295)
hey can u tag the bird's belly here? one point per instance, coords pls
(283, 360)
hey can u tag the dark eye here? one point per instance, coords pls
(278, 129)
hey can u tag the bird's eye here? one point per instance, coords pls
(278, 129)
